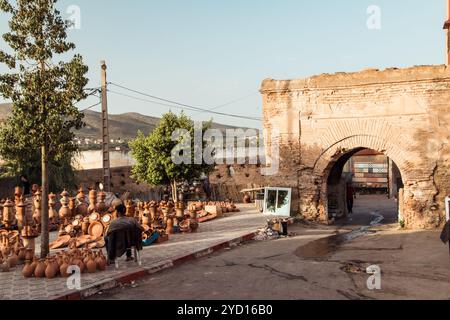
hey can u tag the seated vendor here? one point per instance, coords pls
(121, 235)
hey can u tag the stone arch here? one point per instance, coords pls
(344, 136)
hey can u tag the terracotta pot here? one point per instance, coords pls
(34, 264)
(27, 270)
(50, 271)
(63, 269)
(85, 226)
(39, 272)
(247, 199)
(100, 261)
(91, 265)
(169, 228)
(92, 201)
(22, 254)
(13, 260)
(29, 255)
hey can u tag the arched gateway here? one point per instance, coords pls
(324, 120)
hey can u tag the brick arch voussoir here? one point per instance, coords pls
(391, 149)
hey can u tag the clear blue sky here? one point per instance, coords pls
(209, 52)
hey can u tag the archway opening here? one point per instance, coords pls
(363, 188)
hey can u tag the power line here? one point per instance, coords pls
(185, 106)
(88, 108)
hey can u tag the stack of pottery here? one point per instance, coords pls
(65, 212)
(92, 201)
(81, 207)
(101, 206)
(8, 214)
(37, 212)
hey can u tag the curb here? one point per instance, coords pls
(141, 272)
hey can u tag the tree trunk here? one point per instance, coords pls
(45, 241)
(174, 191)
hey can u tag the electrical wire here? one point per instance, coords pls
(182, 105)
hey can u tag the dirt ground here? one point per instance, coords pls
(318, 263)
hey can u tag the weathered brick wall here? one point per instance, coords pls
(403, 113)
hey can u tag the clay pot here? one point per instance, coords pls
(13, 260)
(85, 226)
(27, 270)
(100, 261)
(22, 254)
(247, 199)
(169, 228)
(50, 271)
(101, 206)
(91, 265)
(39, 272)
(63, 269)
(34, 264)
(92, 200)
(29, 255)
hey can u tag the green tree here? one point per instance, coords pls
(43, 91)
(153, 154)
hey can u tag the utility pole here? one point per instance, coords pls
(447, 27)
(105, 132)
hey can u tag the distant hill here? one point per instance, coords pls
(124, 126)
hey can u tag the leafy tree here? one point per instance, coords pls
(153, 154)
(43, 91)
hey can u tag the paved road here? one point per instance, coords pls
(312, 265)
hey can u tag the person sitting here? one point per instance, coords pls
(121, 235)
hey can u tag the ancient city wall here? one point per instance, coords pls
(323, 120)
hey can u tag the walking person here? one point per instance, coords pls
(350, 198)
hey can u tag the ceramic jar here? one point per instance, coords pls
(29, 254)
(13, 260)
(64, 267)
(20, 214)
(101, 206)
(92, 201)
(100, 260)
(51, 270)
(81, 207)
(91, 265)
(85, 226)
(39, 272)
(18, 193)
(64, 212)
(22, 254)
(27, 270)
(37, 213)
(8, 213)
(169, 226)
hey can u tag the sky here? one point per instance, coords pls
(209, 53)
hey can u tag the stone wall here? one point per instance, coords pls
(402, 113)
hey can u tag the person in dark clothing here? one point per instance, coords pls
(122, 234)
(26, 185)
(350, 198)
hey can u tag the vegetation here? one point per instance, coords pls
(43, 92)
(153, 154)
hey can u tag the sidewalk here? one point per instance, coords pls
(212, 236)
